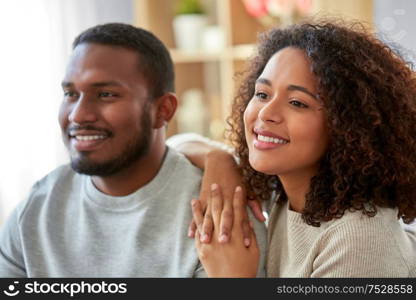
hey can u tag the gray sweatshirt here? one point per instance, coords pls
(68, 228)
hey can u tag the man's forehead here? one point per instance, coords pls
(108, 63)
(105, 54)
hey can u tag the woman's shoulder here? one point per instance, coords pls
(355, 225)
(379, 240)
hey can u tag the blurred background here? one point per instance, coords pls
(210, 42)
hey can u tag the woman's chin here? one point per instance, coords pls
(262, 167)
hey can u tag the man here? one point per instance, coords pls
(125, 210)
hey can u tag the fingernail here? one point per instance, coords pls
(238, 189)
(193, 202)
(204, 238)
(190, 233)
(251, 225)
(223, 238)
(247, 242)
(214, 186)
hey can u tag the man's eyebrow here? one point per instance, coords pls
(95, 84)
(293, 87)
(66, 84)
(106, 83)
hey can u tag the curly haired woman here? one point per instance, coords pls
(325, 125)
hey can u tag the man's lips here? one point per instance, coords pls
(87, 139)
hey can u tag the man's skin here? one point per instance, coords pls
(109, 120)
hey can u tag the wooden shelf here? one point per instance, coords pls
(240, 52)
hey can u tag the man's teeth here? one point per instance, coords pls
(271, 139)
(89, 137)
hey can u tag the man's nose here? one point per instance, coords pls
(83, 111)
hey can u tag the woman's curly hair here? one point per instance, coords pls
(369, 93)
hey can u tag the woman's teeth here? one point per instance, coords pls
(269, 139)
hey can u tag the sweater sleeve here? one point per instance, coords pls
(178, 139)
(11, 256)
(366, 248)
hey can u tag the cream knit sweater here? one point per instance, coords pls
(353, 246)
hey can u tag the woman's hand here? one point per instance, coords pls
(232, 259)
(219, 166)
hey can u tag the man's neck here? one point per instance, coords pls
(134, 177)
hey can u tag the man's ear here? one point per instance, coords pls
(165, 109)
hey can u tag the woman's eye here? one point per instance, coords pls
(299, 104)
(260, 95)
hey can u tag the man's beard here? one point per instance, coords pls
(130, 154)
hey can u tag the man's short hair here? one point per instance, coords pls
(155, 62)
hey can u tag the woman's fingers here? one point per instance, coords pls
(255, 207)
(197, 240)
(203, 222)
(198, 217)
(216, 204)
(226, 223)
(240, 215)
(207, 225)
(191, 229)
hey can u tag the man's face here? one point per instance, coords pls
(105, 114)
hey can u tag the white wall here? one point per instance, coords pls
(397, 20)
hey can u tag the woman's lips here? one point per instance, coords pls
(265, 142)
(266, 145)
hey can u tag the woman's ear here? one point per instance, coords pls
(165, 109)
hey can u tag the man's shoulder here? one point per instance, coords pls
(57, 182)
(184, 166)
(58, 176)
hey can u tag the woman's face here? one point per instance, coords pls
(285, 121)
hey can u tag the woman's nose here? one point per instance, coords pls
(271, 111)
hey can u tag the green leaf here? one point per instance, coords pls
(186, 7)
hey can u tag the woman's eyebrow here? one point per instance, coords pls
(264, 81)
(293, 87)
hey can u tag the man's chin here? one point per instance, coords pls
(87, 167)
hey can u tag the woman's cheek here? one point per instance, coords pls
(250, 114)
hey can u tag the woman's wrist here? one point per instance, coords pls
(218, 157)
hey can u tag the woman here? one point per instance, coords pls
(325, 125)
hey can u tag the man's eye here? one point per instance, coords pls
(299, 104)
(106, 95)
(69, 94)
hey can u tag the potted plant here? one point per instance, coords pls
(188, 24)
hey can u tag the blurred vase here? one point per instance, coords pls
(187, 30)
(191, 116)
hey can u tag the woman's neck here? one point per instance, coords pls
(296, 186)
